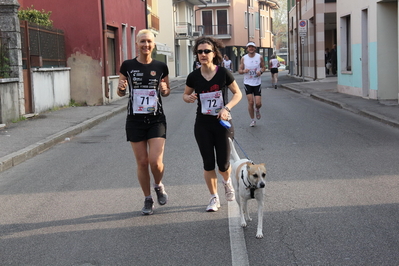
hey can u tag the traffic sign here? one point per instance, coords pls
(303, 27)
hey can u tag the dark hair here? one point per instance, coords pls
(215, 43)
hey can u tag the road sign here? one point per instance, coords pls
(303, 27)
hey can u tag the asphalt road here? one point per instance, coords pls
(331, 194)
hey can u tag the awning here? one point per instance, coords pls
(163, 49)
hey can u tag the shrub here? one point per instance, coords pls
(35, 16)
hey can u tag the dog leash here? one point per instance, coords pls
(246, 156)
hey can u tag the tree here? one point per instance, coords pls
(280, 23)
(32, 15)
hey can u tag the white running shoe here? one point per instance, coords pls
(229, 191)
(257, 113)
(214, 205)
(253, 123)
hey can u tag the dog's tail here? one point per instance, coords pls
(233, 154)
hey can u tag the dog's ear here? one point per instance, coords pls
(248, 165)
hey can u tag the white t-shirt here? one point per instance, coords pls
(227, 64)
(274, 63)
(253, 64)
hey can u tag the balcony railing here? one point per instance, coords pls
(154, 22)
(217, 31)
(211, 3)
(183, 30)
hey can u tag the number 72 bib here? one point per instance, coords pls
(211, 102)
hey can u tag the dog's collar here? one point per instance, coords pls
(250, 186)
(252, 190)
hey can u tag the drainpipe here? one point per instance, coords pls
(145, 14)
(297, 37)
(104, 24)
(315, 43)
(248, 18)
(289, 43)
(260, 34)
(299, 45)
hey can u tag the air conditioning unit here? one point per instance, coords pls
(197, 33)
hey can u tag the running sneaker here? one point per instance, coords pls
(161, 194)
(148, 207)
(214, 205)
(253, 123)
(275, 87)
(257, 113)
(229, 191)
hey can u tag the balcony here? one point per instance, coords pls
(273, 4)
(153, 22)
(183, 30)
(193, 2)
(216, 3)
(216, 31)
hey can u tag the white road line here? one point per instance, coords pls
(239, 255)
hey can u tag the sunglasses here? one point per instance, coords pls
(206, 51)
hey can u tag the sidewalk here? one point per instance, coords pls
(326, 91)
(25, 139)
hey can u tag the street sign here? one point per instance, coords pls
(303, 27)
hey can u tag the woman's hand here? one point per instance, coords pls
(223, 114)
(163, 87)
(190, 98)
(122, 88)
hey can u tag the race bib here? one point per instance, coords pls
(145, 101)
(211, 102)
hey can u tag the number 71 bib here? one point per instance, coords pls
(145, 101)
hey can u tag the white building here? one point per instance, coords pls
(367, 33)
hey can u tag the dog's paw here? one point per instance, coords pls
(243, 225)
(259, 235)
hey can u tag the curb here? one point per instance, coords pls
(15, 158)
(365, 113)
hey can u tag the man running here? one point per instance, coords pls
(252, 66)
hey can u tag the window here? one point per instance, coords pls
(346, 45)
(262, 26)
(111, 63)
(257, 15)
(124, 42)
(252, 25)
(133, 41)
(207, 22)
(246, 19)
(222, 21)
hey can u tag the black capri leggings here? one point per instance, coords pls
(212, 137)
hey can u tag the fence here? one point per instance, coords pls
(42, 46)
(5, 70)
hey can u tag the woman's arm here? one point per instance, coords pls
(189, 96)
(122, 85)
(237, 95)
(164, 86)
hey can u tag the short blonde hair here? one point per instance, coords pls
(144, 32)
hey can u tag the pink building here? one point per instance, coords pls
(237, 22)
(99, 35)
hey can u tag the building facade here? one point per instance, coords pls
(235, 22)
(311, 29)
(368, 48)
(99, 35)
(366, 35)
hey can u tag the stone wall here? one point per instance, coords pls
(12, 102)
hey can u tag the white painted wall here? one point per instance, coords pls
(51, 88)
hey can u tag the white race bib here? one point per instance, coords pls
(211, 102)
(145, 101)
